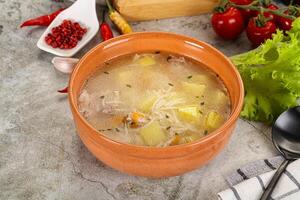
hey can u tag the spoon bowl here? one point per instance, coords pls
(286, 133)
(286, 139)
(288, 123)
(287, 145)
(83, 12)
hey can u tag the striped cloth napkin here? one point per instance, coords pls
(249, 182)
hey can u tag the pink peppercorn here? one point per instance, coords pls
(66, 35)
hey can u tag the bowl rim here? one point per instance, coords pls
(228, 123)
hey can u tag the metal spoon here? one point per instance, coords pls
(286, 138)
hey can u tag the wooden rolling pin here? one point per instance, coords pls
(140, 10)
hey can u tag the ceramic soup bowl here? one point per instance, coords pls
(154, 161)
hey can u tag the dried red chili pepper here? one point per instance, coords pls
(65, 90)
(44, 20)
(105, 30)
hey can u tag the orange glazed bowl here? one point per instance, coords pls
(156, 161)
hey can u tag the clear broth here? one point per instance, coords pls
(154, 99)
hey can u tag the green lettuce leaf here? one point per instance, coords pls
(271, 75)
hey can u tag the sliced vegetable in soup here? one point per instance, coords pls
(154, 99)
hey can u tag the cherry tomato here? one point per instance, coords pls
(283, 23)
(247, 14)
(258, 34)
(228, 24)
(271, 16)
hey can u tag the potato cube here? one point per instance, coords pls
(152, 134)
(220, 98)
(193, 88)
(190, 114)
(146, 61)
(213, 121)
(206, 79)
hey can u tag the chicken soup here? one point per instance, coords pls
(154, 99)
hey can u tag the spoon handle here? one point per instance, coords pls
(267, 193)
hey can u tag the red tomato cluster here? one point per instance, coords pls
(230, 22)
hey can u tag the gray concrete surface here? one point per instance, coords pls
(41, 157)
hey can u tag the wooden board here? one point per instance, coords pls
(139, 10)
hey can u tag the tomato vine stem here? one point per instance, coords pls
(262, 9)
(257, 5)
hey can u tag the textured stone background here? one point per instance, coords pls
(41, 157)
